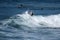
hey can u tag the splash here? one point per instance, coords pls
(25, 19)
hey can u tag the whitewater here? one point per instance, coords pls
(33, 21)
(26, 27)
(17, 24)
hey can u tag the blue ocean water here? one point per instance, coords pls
(17, 24)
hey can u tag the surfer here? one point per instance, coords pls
(20, 6)
(31, 13)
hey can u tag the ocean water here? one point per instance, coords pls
(17, 24)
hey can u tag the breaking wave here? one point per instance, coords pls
(25, 19)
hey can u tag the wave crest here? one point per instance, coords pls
(33, 21)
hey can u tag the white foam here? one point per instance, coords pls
(50, 21)
(37, 21)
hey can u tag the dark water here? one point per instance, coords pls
(17, 24)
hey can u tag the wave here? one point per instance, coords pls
(25, 19)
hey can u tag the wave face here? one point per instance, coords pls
(26, 27)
